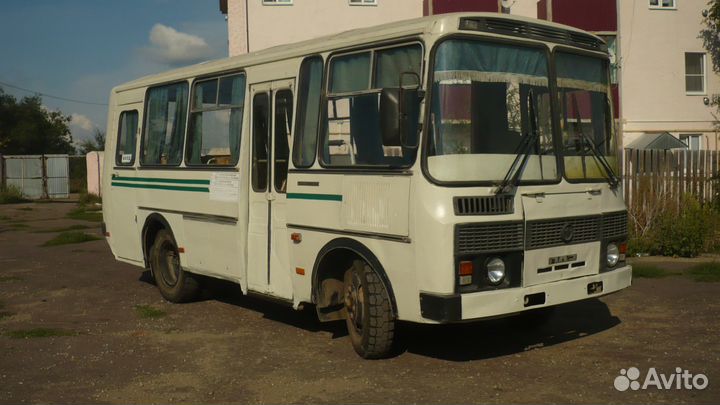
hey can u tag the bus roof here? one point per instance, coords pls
(437, 24)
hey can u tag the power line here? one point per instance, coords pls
(50, 95)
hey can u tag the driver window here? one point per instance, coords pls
(352, 127)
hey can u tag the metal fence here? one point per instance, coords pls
(37, 176)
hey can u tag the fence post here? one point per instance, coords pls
(2, 172)
(45, 193)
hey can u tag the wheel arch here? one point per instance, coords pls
(153, 224)
(329, 264)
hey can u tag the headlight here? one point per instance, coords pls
(613, 255)
(496, 270)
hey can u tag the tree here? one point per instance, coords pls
(28, 128)
(710, 35)
(95, 144)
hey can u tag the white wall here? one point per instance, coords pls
(653, 45)
(271, 25)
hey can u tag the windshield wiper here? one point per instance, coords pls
(610, 176)
(512, 177)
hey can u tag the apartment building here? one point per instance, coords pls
(662, 76)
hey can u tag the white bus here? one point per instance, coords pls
(442, 169)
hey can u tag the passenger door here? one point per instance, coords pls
(268, 255)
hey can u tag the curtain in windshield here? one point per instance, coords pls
(586, 119)
(482, 98)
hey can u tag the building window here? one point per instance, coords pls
(277, 2)
(668, 4)
(695, 73)
(691, 140)
(363, 2)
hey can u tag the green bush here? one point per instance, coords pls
(12, 195)
(684, 232)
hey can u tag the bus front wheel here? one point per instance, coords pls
(369, 317)
(175, 284)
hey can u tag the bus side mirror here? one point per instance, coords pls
(399, 114)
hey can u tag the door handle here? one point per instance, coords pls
(269, 196)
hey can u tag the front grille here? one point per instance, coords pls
(485, 238)
(615, 225)
(553, 232)
(485, 205)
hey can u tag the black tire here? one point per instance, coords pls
(175, 284)
(369, 316)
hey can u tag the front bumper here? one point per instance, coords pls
(461, 307)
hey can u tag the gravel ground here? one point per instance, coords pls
(227, 348)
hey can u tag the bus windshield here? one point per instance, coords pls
(480, 112)
(588, 136)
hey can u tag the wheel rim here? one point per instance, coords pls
(354, 300)
(169, 264)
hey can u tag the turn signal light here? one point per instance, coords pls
(623, 248)
(465, 271)
(296, 237)
(466, 268)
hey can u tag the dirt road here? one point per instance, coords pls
(77, 327)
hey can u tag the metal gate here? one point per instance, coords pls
(38, 176)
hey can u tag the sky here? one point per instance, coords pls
(80, 49)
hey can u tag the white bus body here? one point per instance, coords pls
(302, 173)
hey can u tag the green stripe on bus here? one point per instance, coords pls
(157, 180)
(162, 187)
(321, 197)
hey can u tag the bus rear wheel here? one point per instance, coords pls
(369, 317)
(175, 284)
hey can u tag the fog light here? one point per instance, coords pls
(613, 255)
(495, 270)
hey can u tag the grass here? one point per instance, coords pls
(25, 209)
(77, 227)
(10, 279)
(12, 195)
(66, 238)
(705, 272)
(89, 199)
(18, 225)
(85, 214)
(4, 218)
(649, 271)
(5, 315)
(38, 333)
(148, 312)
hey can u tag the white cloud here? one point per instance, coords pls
(172, 47)
(81, 122)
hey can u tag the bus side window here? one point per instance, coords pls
(127, 135)
(216, 121)
(308, 109)
(283, 120)
(164, 130)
